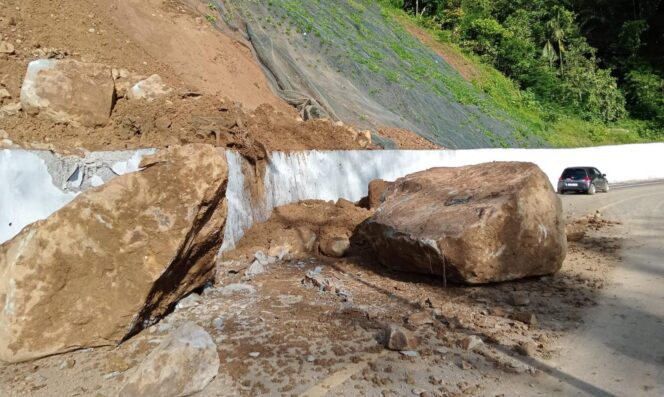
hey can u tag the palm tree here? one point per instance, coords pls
(556, 30)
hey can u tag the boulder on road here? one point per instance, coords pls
(475, 224)
(116, 258)
(183, 364)
(69, 91)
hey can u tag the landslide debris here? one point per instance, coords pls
(115, 259)
(476, 224)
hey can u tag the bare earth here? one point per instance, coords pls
(598, 328)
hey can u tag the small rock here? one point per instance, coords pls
(471, 342)
(255, 269)
(497, 311)
(263, 259)
(189, 301)
(11, 110)
(528, 349)
(163, 123)
(420, 318)
(218, 323)
(254, 354)
(4, 94)
(363, 138)
(280, 252)
(526, 317)
(520, 299)
(409, 353)
(149, 89)
(399, 338)
(310, 358)
(68, 363)
(238, 288)
(335, 246)
(6, 48)
(465, 365)
(442, 350)
(182, 365)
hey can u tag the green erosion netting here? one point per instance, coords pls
(350, 61)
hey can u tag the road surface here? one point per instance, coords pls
(619, 351)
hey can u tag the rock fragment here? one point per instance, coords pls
(183, 364)
(399, 338)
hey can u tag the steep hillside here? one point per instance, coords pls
(353, 61)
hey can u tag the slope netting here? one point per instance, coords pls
(350, 61)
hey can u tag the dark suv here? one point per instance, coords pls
(582, 179)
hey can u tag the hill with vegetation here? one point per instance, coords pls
(584, 71)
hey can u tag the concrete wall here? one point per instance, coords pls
(37, 183)
(330, 175)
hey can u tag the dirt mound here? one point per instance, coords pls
(293, 223)
(405, 139)
(181, 119)
(220, 94)
(146, 36)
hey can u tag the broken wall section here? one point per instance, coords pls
(37, 183)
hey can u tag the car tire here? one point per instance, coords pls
(561, 192)
(606, 189)
(591, 189)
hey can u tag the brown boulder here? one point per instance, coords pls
(334, 246)
(377, 189)
(116, 258)
(476, 224)
(69, 91)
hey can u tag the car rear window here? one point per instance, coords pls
(574, 173)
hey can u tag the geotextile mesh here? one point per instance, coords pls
(349, 60)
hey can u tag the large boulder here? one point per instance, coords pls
(69, 91)
(475, 224)
(183, 364)
(116, 258)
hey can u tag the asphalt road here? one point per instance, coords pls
(619, 350)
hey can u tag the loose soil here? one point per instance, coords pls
(306, 337)
(220, 93)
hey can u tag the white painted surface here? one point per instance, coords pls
(330, 175)
(34, 184)
(27, 193)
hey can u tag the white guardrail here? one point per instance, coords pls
(29, 194)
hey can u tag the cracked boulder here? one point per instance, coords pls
(475, 224)
(116, 258)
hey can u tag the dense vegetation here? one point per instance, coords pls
(598, 61)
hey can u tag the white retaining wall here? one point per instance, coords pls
(330, 175)
(35, 184)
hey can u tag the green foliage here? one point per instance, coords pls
(538, 44)
(645, 91)
(541, 101)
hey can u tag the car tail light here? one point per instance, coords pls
(560, 179)
(586, 179)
